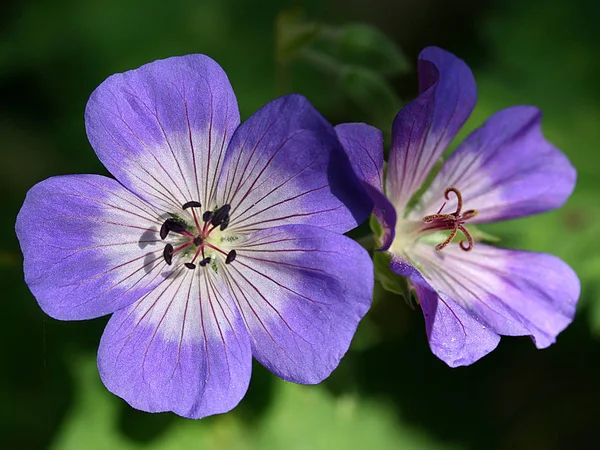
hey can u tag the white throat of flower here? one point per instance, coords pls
(202, 241)
(433, 228)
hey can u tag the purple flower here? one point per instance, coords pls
(470, 293)
(216, 243)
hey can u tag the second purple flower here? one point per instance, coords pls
(470, 292)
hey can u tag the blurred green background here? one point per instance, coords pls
(389, 392)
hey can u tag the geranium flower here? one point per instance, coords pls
(470, 293)
(216, 242)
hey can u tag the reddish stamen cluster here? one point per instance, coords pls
(219, 218)
(453, 221)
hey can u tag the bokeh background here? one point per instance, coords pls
(389, 392)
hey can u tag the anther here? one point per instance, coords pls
(230, 257)
(192, 204)
(220, 215)
(207, 216)
(190, 266)
(172, 225)
(225, 223)
(168, 254)
(204, 262)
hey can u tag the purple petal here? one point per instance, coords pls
(504, 169)
(163, 129)
(182, 348)
(302, 291)
(90, 246)
(364, 146)
(455, 335)
(514, 292)
(285, 165)
(423, 129)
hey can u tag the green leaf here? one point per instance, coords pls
(371, 93)
(292, 34)
(391, 281)
(376, 227)
(365, 46)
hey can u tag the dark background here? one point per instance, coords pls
(389, 392)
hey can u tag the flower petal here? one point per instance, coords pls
(285, 165)
(302, 291)
(423, 129)
(456, 336)
(364, 146)
(163, 129)
(514, 292)
(90, 246)
(504, 169)
(182, 348)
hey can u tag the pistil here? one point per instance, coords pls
(454, 222)
(219, 218)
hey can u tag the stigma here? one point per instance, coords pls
(202, 237)
(453, 221)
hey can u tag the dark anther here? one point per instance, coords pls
(192, 204)
(168, 253)
(164, 230)
(198, 241)
(207, 216)
(230, 257)
(172, 225)
(204, 262)
(225, 223)
(220, 215)
(190, 266)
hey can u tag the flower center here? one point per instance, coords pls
(454, 222)
(205, 237)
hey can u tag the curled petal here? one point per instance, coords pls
(364, 146)
(423, 129)
(456, 336)
(163, 129)
(90, 246)
(302, 291)
(505, 169)
(285, 165)
(182, 348)
(514, 292)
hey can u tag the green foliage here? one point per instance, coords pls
(358, 59)
(366, 46)
(370, 92)
(301, 417)
(293, 34)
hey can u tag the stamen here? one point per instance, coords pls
(220, 215)
(204, 262)
(225, 223)
(172, 224)
(230, 257)
(207, 216)
(190, 266)
(168, 254)
(192, 204)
